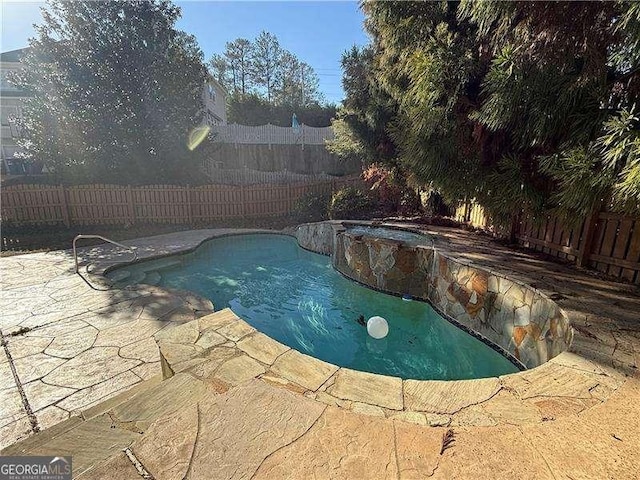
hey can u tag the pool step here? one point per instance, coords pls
(152, 278)
(137, 277)
(162, 265)
(119, 275)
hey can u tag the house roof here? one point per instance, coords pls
(13, 55)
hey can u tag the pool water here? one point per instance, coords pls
(391, 234)
(296, 297)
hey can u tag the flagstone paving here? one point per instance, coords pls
(256, 430)
(563, 386)
(83, 364)
(73, 343)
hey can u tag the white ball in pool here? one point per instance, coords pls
(377, 327)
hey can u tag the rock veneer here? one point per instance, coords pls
(515, 316)
(511, 315)
(318, 237)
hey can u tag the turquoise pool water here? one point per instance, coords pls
(297, 298)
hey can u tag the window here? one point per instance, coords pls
(5, 84)
(212, 93)
(6, 113)
(9, 151)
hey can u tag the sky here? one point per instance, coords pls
(316, 32)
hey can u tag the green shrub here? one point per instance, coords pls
(389, 187)
(435, 204)
(312, 207)
(350, 203)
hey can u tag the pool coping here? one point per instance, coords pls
(107, 266)
(223, 350)
(573, 369)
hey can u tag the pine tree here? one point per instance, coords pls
(232, 69)
(520, 105)
(265, 62)
(263, 68)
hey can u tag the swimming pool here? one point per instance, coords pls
(296, 297)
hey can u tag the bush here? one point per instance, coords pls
(389, 186)
(435, 204)
(350, 203)
(312, 207)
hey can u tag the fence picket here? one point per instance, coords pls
(101, 204)
(608, 242)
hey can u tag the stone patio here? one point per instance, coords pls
(72, 343)
(236, 404)
(224, 351)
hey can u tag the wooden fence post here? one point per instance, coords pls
(243, 201)
(130, 207)
(584, 251)
(66, 217)
(515, 227)
(189, 206)
(289, 199)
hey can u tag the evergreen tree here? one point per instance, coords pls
(116, 91)
(239, 54)
(221, 71)
(264, 68)
(362, 124)
(286, 82)
(252, 109)
(266, 60)
(233, 68)
(517, 104)
(308, 86)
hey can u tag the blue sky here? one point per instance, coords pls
(317, 32)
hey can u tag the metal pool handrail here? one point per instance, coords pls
(100, 237)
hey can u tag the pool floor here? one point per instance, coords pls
(296, 297)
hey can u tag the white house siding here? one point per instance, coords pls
(214, 99)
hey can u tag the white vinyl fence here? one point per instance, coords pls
(271, 134)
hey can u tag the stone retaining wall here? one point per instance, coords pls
(385, 264)
(510, 314)
(317, 237)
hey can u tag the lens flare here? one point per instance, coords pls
(197, 135)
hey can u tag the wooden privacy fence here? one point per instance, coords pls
(269, 148)
(606, 241)
(246, 176)
(115, 204)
